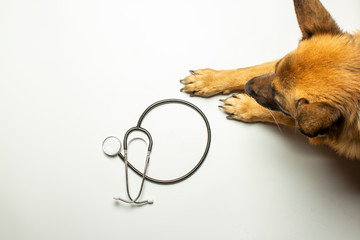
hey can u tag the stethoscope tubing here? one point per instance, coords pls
(139, 128)
(135, 200)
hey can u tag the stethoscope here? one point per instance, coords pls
(112, 147)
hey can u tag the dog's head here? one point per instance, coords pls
(318, 83)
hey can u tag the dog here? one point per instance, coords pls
(315, 88)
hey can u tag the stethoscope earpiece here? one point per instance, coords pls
(112, 147)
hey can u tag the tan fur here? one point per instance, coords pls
(315, 88)
(335, 81)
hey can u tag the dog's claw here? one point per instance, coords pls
(193, 94)
(222, 100)
(182, 81)
(182, 90)
(192, 72)
(230, 117)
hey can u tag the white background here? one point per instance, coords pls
(73, 72)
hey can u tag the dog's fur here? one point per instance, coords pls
(315, 88)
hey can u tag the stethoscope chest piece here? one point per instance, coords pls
(112, 147)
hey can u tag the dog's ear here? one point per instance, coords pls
(314, 119)
(314, 19)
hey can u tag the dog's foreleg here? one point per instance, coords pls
(244, 108)
(209, 82)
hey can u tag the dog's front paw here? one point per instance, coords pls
(203, 83)
(244, 108)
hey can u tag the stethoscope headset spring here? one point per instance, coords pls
(150, 144)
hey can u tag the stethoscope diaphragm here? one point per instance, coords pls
(111, 146)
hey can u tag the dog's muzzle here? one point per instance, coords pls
(259, 88)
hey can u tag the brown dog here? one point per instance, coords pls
(315, 87)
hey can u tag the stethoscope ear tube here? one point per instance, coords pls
(135, 200)
(139, 128)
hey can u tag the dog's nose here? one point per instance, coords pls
(249, 90)
(259, 88)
